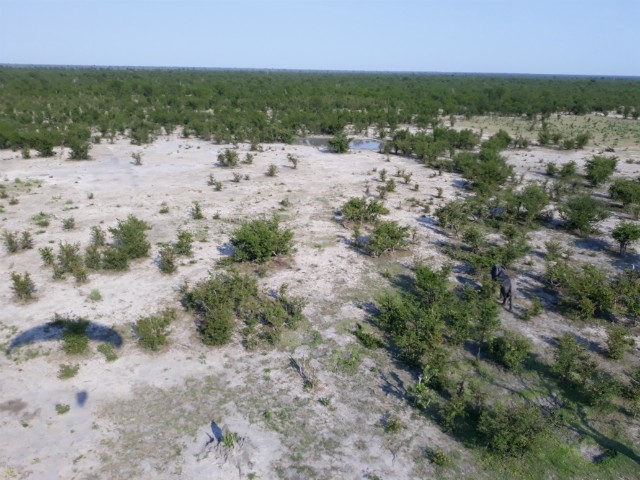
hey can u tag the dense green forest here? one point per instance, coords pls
(44, 107)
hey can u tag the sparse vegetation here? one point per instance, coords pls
(153, 330)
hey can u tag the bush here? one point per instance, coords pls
(581, 212)
(386, 236)
(114, 258)
(219, 300)
(74, 334)
(196, 211)
(600, 168)
(23, 287)
(167, 259)
(98, 237)
(272, 171)
(107, 350)
(152, 331)
(46, 254)
(512, 430)
(339, 143)
(584, 290)
(625, 191)
(183, 245)
(69, 223)
(618, 341)
(511, 350)
(362, 210)
(68, 259)
(228, 158)
(11, 242)
(68, 371)
(79, 150)
(259, 240)
(130, 237)
(572, 361)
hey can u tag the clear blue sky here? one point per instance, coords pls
(512, 36)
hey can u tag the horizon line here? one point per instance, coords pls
(304, 70)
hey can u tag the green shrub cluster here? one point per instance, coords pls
(363, 210)
(511, 350)
(22, 285)
(16, 241)
(585, 291)
(511, 430)
(222, 299)
(228, 158)
(259, 240)
(152, 330)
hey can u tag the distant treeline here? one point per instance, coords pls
(41, 107)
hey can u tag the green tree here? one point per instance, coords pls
(626, 233)
(581, 212)
(339, 143)
(626, 191)
(600, 168)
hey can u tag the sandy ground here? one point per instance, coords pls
(152, 415)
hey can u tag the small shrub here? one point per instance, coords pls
(92, 257)
(130, 237)
(387, 236)
(511, 350)
(98, 236)
(74, 334)
(68, 371)
(237, 177)
(153, 331)
(23, 287)
(11, 242)
(164, 208)
(61, 409)
(26, 241)
(46, 254)
(618, 341)
(393, 425)
(69, 223)
(228, 158)
(362, 210)
(167, 259)
(68, 258)
(183, 245)
(94, 295)
(137, 158)
(114, 259)
(272, 170)
(248, 158)
(439, 457)
(229, 439)
(107, 350)
(367, 339)
(41, 219)
(196, 211)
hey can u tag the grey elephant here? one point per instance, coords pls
(499, 273)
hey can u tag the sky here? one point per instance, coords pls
(578, 37)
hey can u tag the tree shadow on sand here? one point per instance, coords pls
(52, 331)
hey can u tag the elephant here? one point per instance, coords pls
(499, 273)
